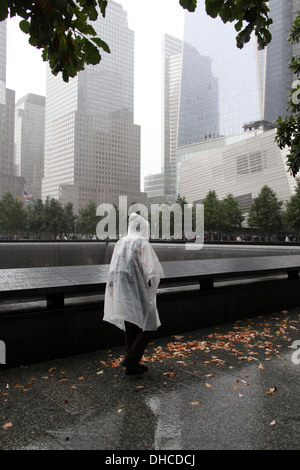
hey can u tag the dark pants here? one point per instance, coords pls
(136, 341)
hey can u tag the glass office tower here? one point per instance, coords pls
(253, 87)
(199, 108)
(161, 187)
(172, 59)
(92, 146)
(30, 141)
(250, 85)
(232, 77)
(278, 56)
(8, 180)
(7, 103)
(2, 60)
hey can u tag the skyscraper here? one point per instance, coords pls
(172, 58)
(278, 81)
(2, 61)
(161, 187)
(8, 180)
(235, 73)
(92, 146)
(7, 98)
(199, 113)
(252, 85)
(30, 142)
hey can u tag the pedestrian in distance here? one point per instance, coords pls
(130, 294)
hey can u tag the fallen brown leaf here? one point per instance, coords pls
(170, 374)
(7, 425)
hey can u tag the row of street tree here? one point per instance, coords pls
(267, 216)
(48, 219)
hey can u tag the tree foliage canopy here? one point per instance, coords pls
(288, 133)
(265, 212)
(63, 29)
(249, 15)
(292, 215)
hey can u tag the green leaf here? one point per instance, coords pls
(92, 12)
(101, 43)
(102, 4)
(91, 53)
(213, 7)
(24, 26)
(238, 25)
(189, 5)
(3, 10)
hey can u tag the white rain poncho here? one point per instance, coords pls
(128, 296)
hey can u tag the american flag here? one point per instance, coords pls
(27, 196)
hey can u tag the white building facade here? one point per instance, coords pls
(240, 169)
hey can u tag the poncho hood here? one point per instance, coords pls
(138, 226)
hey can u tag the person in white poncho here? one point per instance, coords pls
(130, 295)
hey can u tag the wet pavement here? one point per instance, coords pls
(230, 387)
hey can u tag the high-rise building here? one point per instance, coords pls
(199, 112)
(172, 58)
(8, 180)
(235, 75)
(250, 85)
(278, 76)
(3, 33)
(253, 90)
(92, 146)
(7, 126)
(154, 187)
(30, 142)
(161, 187)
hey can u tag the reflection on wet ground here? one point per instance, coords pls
(229, 387)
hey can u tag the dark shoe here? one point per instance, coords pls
(126, 363)
(134, 369)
